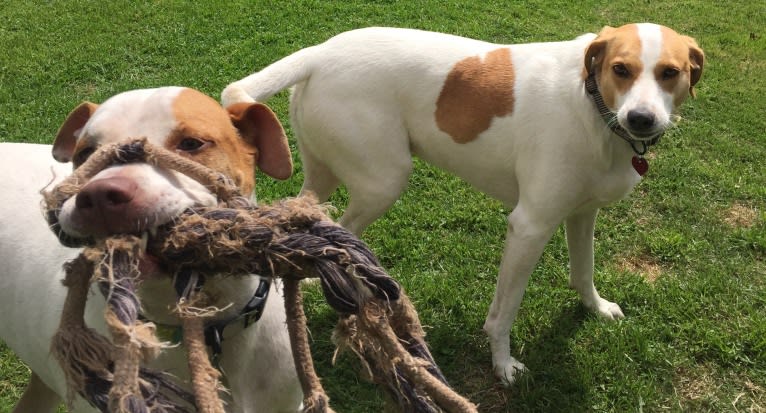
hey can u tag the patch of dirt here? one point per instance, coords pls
(701, 387)
(740, 216)
(695, 385)
(643, 265)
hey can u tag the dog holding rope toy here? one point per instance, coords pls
(292, 239)
(136, 198)
(218, 236)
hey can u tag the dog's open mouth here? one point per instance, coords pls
(150, 266)
(133, 152)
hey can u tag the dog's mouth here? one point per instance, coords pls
(644, 136)
(149, 265)
(113, 208)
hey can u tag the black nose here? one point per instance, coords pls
(640, 120)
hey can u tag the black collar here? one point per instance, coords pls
(250, 313)
(609, 117)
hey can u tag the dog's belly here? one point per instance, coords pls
(490, 172)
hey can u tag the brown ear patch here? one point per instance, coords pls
(475, 92)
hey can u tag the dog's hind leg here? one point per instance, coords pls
(367, 202)
(372, 188)
(580, 230)
(360, 145)
(317, 177)
(37, 397)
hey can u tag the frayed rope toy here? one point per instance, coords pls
(292, 239)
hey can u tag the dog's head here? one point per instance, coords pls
(644, 72)
(135, 198)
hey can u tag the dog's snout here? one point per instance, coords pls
(105, 195)
(641, 120)
(108, 206)
(130, 199)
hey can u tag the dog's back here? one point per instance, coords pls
(386, 94)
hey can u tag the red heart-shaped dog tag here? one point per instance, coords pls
(640, 165)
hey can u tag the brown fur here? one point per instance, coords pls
(475, 92)
(624, 48)
(678, 52)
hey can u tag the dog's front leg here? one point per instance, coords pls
(580, 230)
(37, 397)
(524, 243)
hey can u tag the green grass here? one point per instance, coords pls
(691, 284)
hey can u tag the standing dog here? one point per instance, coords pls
(256, 360)
(515, 121)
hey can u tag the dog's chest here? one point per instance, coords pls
(611, 187)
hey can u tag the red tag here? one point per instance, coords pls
(640, 164)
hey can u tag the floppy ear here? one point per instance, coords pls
(697, 60)
(594, 53)
(259, 126)
(66, 138)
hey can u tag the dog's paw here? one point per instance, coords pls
(508, 372)
(607, 309)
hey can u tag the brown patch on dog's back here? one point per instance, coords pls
(475, 92)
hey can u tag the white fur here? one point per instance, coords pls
(364, 102)
(256, 361)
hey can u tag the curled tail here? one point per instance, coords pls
(260, 86)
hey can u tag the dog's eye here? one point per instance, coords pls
(670, 73)
(190, 144)
(620, 70)
(80, 157)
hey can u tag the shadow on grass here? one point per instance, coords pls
(553, 381)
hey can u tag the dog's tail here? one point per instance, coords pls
(260, 86)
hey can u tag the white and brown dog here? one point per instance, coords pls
(256, 361)
(515, 121)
